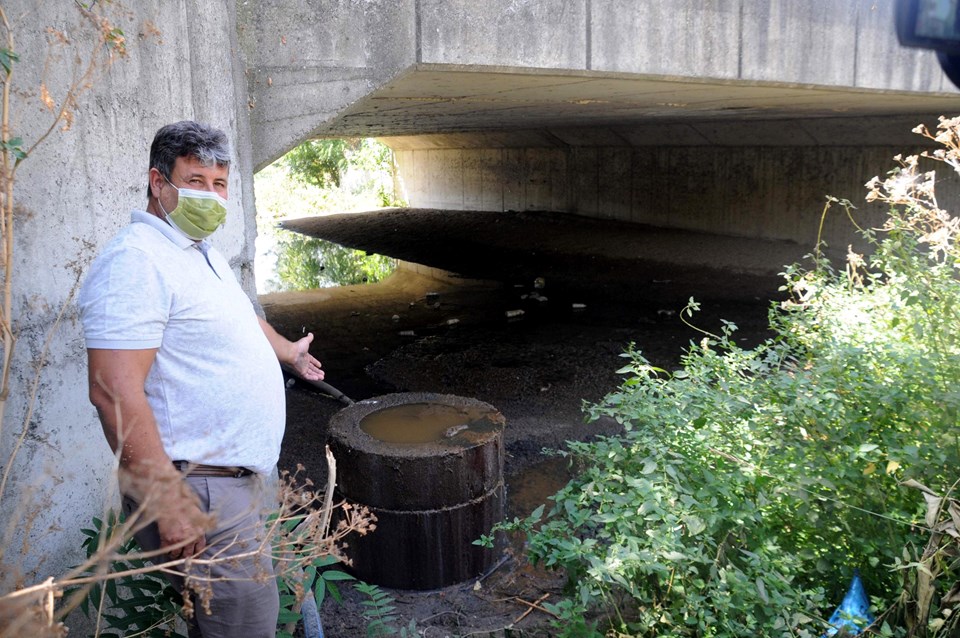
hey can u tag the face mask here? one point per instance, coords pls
(198, 213)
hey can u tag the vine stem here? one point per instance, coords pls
(6, 226)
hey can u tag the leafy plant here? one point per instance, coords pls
(314, 583)
(327, 163)
(749, 483)
(299, 534)
(381, 614)
(319, 162)
(305, 263)
(323, 177)
(144, 603)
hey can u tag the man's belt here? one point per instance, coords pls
(201, 470)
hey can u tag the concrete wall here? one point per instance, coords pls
(747, 190)
(765, 176)
(309, 60)
(72, 195)
(822, 42)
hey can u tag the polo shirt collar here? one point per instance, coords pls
(171, 233)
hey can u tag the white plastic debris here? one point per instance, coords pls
(579, 306)
(455, 430)
(514, 313)
(407, 333)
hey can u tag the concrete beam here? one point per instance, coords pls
(308, 60)
(322, 68)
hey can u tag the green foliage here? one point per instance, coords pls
(7, 58)
(319, 162)
(143, 604)
(326, 164)
(750, 482)
(315, 583)
(14, 146)
(381, 614)
(353, 175)
(147, 605)
(305, 263)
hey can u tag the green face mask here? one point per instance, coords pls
(198, 213)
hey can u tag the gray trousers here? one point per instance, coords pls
(244, 600)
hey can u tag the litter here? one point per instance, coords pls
(853, 614)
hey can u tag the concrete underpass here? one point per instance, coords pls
(630, 153)
(571, 185)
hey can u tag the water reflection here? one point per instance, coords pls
(305, 263)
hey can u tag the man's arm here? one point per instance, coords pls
(295, 354)
(116, 389)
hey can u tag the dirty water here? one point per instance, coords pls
(416, 423)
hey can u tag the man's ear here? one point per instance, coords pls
(156, 183)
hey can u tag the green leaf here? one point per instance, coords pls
(334, 591)
(287, 616)
(336, 575)
(7, 58)
(320, 592)
(325, 561)
(536, 514)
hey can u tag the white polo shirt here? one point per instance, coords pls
(215, 387)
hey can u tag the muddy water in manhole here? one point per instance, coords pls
(535, 484)
(415, 423)
(432, 473)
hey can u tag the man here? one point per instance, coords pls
(186, 381)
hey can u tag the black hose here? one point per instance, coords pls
(323, 386)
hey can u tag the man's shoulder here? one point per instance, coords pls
(136, 237)
(135, 252)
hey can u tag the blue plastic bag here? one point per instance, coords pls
(853, 614)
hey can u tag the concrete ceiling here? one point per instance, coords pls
(468, 106)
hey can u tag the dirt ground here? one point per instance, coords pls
(587, 288)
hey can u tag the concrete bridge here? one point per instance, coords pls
(734, 117)
(728, 116)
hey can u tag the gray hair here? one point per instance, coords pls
(188, 139)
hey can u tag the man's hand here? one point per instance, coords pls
(183, 526)
(295, 354)
(306, 365)
(147, 475)
(165, 498)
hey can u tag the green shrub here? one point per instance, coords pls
(750, 483)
